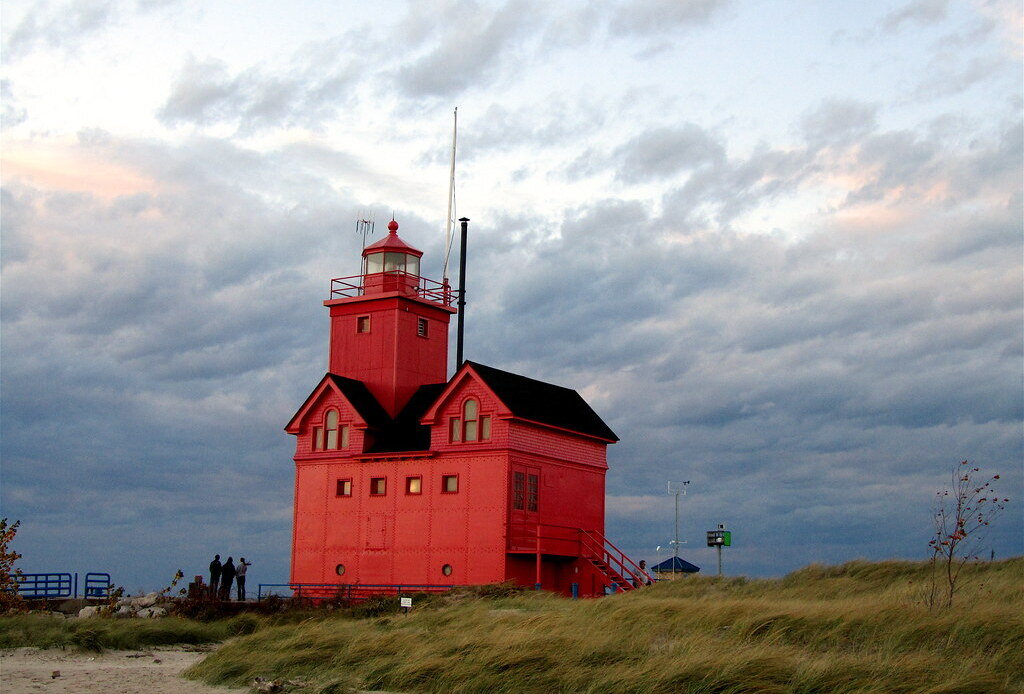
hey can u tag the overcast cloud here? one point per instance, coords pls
(781, 263)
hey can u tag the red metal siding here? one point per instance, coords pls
(393, 360)
(400, 538)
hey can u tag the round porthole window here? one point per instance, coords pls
(446, 569)
(340, 569)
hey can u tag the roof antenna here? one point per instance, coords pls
(449, 223)
(364, 225)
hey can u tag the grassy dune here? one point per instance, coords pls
(859, 627)
(96, 634)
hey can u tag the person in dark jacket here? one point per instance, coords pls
(215, 575)
(227, 579)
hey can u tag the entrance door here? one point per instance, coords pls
(524, 495)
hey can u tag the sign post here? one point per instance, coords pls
(406, 604)
(719, 538)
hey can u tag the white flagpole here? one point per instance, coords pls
(449, 223)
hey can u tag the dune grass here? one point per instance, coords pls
(97, 633)
(860, 627)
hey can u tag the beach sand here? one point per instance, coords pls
(151, 671)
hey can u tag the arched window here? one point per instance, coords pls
(471, 426)
(332, 435)
(470, 413)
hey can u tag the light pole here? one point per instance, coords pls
(680, 489)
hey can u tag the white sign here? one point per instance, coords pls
(405, 602)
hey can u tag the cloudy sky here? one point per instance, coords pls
(777, 245)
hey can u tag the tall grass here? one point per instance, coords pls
(860, 627)
(96, 634)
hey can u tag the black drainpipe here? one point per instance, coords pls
(462, 295)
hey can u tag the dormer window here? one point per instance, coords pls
(471, 426)
(332, 436)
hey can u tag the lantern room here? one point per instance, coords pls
(391, 265)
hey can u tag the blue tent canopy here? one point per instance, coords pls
(677, 565)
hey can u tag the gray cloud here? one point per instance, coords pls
(470, 48)
(660, 16)
(838, 121)
(917, 11)
(320, 81)
(63, 27)
(664, 152)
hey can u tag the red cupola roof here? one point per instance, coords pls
(392, 243)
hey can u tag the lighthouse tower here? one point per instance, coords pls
(404, 477)
(391, 332)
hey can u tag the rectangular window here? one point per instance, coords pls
(363, 324)
(344, 488)
(421, 327)
(471, 430)
(413, 485)
(518, 490)
(332, 439)
(485, 427)
(318, 438)
(531, 492)
(344, 435)
(449, 484)
(455, 430)
(378, 486)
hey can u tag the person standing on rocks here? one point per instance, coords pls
(215, 575)
(240, 577)
(227, 577)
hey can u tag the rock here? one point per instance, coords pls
(151, 613)
(125, 611)
(90, 611)
(55, 674)
(147, 600)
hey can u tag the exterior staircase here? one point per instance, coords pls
(620, 573)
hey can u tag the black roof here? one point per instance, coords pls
(360, 397)
(543, 402)
(405, 433)
(527, 398)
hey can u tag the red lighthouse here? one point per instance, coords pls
(405, 477)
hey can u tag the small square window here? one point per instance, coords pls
(421, 327)
(344, 488)
(450, 484)
(413, 485)
(363, 324)
(378, 486)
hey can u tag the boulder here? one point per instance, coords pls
(147, 600)
(125, 611)
(90, 611)
(151, 612)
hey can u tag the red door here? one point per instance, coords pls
(523, 505)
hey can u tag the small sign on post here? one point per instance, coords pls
(718, 539)
(405, 603)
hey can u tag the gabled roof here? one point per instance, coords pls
(357, 395)
(681, 566)
(544, 403)
(525, 398)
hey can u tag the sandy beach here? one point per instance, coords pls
(150, 671)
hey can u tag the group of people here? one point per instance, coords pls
(223, 575)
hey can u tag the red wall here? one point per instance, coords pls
(392, 359)
(400, 538)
